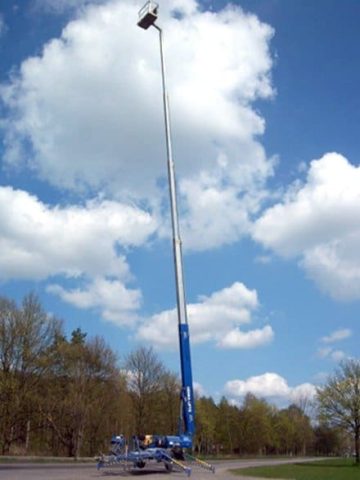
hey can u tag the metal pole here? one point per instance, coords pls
(187, 418)
(179, 276)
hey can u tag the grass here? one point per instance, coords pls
(322, 470)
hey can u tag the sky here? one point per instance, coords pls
(265, 115)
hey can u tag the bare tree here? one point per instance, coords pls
(339, 400)
(145, 372)
(26, 334)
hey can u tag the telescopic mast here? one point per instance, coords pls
(147, 17)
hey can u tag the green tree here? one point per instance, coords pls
(82, 373)
(169, 403)
(303, 433)
(226, 425)
(206, 419)
(256, 425)
(339, 400)
(284, 431)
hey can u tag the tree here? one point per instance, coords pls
(26, 334)
(284, 431)
(169, 402)
(256, 425)
(327, 440)
(206, 418)
(145, 373)
(82, 373)
(339, 400)
(302, 432)
(225, 425)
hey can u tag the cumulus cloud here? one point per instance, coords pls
(102, 125)
(269, 385)
(318, 222)
(337, 336)
(213, 318)
(38, 241)
(305, 391)
(219, 210)
(254, 338)
(110, 298)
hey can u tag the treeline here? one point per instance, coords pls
(62, 396)
(68, 396)
(260, 428)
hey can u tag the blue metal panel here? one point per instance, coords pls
(188, 406)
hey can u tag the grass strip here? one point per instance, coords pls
(343, 469)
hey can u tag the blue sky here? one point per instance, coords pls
(265, 116)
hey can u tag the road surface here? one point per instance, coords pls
(88, 471)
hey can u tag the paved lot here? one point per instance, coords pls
(156, 472)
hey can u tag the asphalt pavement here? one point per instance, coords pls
(88, 471)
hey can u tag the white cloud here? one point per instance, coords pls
(329, 352)
(266, 385)
(303, 391)
(204, 204)
(219, 210)
(38, 241)
(199, 389)
(254, 338)
(111, 298)
(213, 318)
(338, 355)
(102, 125)
(269, 385)
(60, 6)
(337, 336)
(319, 223)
